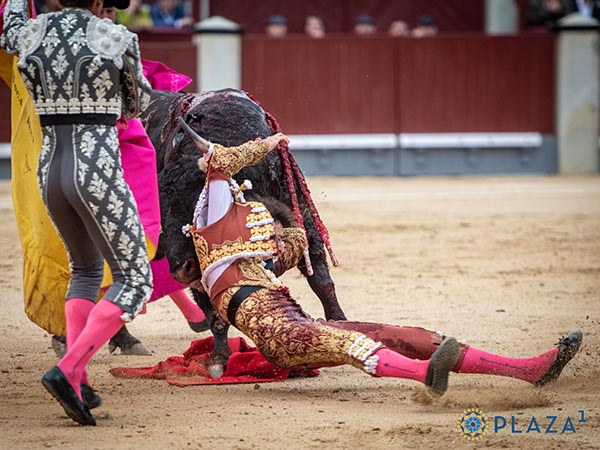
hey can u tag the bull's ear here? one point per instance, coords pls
(202, 165)
(200, 142)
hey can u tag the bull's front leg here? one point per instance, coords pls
(221, 352)
(320, 281)
(322, 285)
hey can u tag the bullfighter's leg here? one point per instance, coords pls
(191, 311)
(289, 338)
(89, 202)
(420, 343)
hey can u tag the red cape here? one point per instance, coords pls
(246, 365)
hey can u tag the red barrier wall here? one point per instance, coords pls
(450, 83)
(335, 85)
(347, 84)
(475, 83)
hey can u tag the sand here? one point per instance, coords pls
(510, 264)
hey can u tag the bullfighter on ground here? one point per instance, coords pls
(241, 255)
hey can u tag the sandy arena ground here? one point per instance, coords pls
(510, 264)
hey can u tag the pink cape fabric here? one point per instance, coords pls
(138, 159)
(163, 77)
(245, 365)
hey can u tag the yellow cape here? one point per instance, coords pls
(45, 264)
(45, 267)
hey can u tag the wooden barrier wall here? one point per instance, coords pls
(347, 84)
(449, 83)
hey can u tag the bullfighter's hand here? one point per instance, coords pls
(275, 140)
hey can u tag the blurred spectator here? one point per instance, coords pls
(276, 26)
(589, 8)
(136, 16)
(547, 12)
(364, 25)
(398, 28)
(314, 26)
(170, 13)
(109, 11)
(426, 27)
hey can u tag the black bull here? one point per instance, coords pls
(230, 118)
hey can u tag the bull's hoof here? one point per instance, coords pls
(129, 344)
(59, 345)
(216, 370)
(138, 349)
(199, 327)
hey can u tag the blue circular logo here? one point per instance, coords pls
(472, 424)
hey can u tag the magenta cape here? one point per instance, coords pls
(138, 160)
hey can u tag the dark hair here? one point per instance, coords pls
(87, 4)
(427, 21)
(280, 211)
(364, 20)
(277, 20)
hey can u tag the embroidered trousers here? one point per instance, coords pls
(93, 210)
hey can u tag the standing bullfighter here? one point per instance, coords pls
(83, 73)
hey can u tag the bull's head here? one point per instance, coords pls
(227, 117)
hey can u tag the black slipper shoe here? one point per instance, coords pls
(57, 384)
(90, 398)
(440, 364)
(567, 348)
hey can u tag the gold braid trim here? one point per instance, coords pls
(255, 221)
(230, 160)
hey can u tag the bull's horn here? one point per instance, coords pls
(200, 142)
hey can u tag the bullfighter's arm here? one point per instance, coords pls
(136, 88)
(230, 160)
(294, 241)
(15, 18)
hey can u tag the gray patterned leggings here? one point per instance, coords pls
(81, 182)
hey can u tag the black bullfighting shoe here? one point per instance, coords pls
(90, 398)
(440, 365)
(567, 349)
(57, 384)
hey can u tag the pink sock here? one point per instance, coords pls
(392, 364)
(190, 310)
(527, 369)
(103, 322)
(77, 311)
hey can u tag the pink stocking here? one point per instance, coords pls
(190, 310)
(103, 322)
(527, 369)
(392, 364)
(77, 311)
